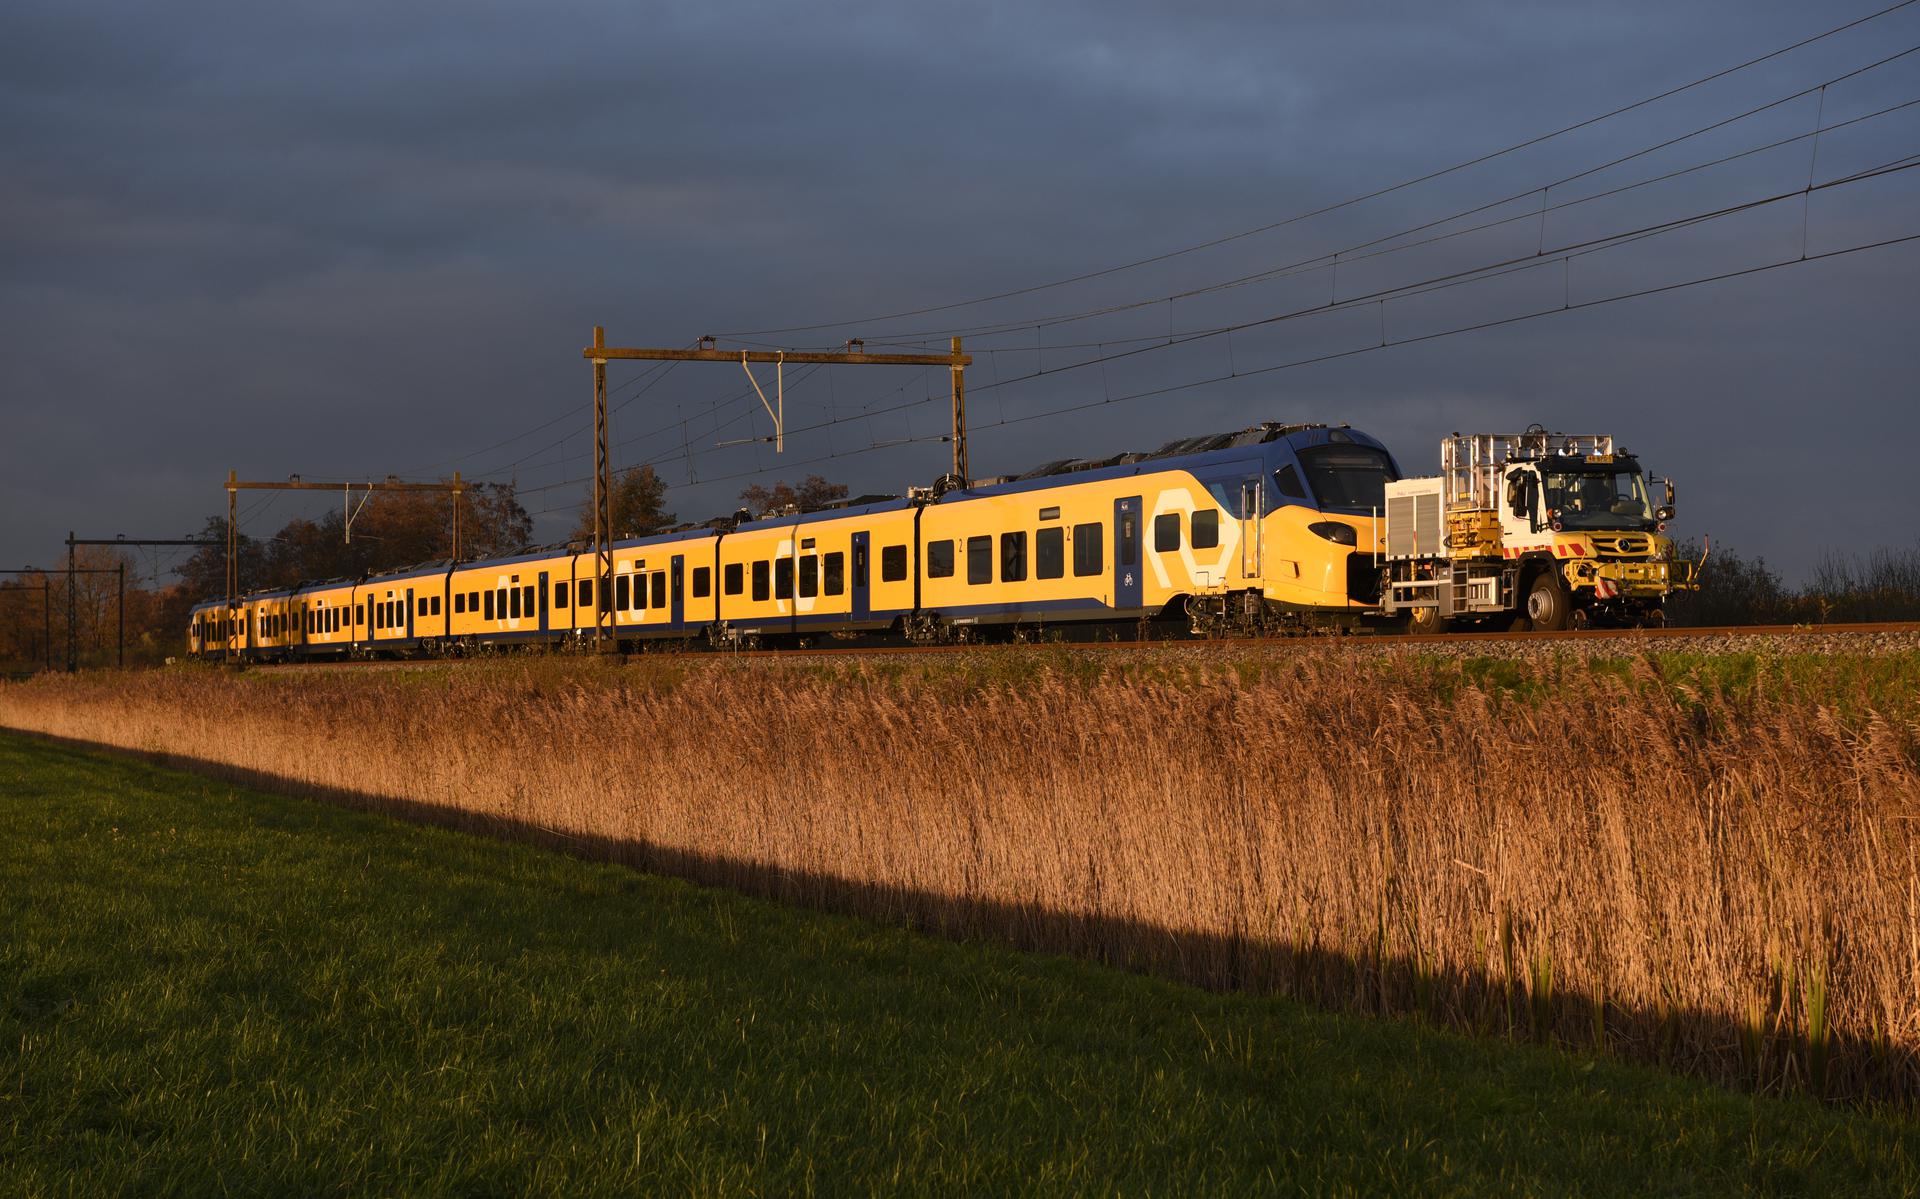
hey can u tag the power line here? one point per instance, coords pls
(1321, 211)
(1429, 285)
(1345, 253)
(1563, 254)
(1337, 355)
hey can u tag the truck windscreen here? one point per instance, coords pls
(1348, 476)
(1598, 499)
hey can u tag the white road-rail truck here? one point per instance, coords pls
(1531, 530)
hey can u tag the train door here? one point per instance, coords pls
(545, 598)
(1250, 528)
(862, 604)
(1126, 553)
(676, 590)
(409, 623)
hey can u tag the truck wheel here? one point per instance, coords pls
(1425, 621)
(1548, 606)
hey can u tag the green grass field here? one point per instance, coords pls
(210, 990)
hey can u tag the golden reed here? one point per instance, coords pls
(1723, 881)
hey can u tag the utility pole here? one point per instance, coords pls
(959, 415)
(600, 353)
(70, 646)
(602, 503)
(121, 569)
(235, 485)
(46, 604)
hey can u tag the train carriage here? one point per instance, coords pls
(1269, 527)
(814, 572)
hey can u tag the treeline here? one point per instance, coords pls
(34, 614)
(372, 532)
(1842, 589)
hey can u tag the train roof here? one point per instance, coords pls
(1183, 452)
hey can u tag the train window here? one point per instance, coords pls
(1287, 479)
(560, 595)
(586, 593)
(1129, 540)
(1013, 557)
(359, 615)
(606, 595)
(513, 603)
(488, 595)
(639, 592)
(1166, 532)
(979, 560)
(734, 577)
(760, 581)
(783, 578)
(421, 605)
(893, 563)
(860, 566)
(939, 559)
(1089, 554)
(459, 602)
(622, 594)
(1050, 553)
(530, 596)
(810, 576)
(835, 566)
(659, 588)
(1206, 528)
(702, 581)
(433, 606)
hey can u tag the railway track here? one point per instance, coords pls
(1453, 640)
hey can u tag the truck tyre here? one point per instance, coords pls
(1548, 605)
(1425, 620)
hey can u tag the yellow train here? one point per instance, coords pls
(1274, 526)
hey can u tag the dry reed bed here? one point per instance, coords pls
(1724, 884)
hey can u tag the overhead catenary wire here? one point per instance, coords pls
(1358, 199)
(1445, 281)
(1345, 254)
(1482, 326)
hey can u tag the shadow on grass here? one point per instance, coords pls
(1519, 999)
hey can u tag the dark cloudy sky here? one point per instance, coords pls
(354, 239)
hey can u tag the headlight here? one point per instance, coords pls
(1334, 531)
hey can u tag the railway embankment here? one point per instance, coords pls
(1694, 855)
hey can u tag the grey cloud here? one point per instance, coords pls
(364, 237)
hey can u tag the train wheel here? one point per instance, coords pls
(1548, 607)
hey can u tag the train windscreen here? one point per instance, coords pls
(1348, 476)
